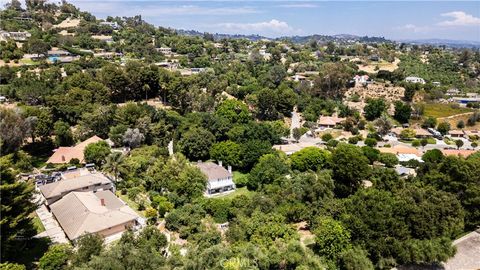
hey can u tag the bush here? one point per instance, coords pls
(389, 159)
(327, 137)
(460, 124)
(416, 143)
(353, 140)
(370, 142)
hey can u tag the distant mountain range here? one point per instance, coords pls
(296, 39)
(341, 38)
(445, 42)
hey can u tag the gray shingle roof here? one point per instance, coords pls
(82, 212)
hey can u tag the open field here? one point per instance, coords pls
(382, 65)
(453, 120)
(443, 110)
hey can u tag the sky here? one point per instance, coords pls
(459, 20)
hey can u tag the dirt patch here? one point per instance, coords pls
(371, 67)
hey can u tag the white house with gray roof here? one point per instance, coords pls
(219, 179)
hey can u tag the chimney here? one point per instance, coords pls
(102, 201)
(229, 169)
(220, 163)
(63, 158)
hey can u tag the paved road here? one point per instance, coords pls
(295, 121)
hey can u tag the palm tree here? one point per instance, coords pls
(113, 164)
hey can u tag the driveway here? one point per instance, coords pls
(295, 121)
(52, 228)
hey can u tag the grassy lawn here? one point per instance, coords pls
(443, 110)
(37, 223)
(238, 192)
(130, 203)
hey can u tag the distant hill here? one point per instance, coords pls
(445, 42)
(341, 38)
(218, 36)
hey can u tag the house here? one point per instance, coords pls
(64, 155)
(404, 171)
(107, 39)
(113, 25)
(453, 92)
(17, 36)
(468, 99)
(361, 79)
(422, 133)
(55, 52)
(81, 182)
(456, 133)
(219, 179)
(329, 121)
(412, 79)
(298, 78)
(164, 50)
(408, 157)
(80, 213)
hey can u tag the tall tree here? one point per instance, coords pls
(16, 206)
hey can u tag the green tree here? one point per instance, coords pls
(310, 158)
(443, 128)
(88, 246)
(331, 238)
(374, 108)
(430, 122)
(327, 137)
(423, 142)
(96, 153)
(389, 159)
(233, 110)
(350, 167)
(297, 134)
(56, 258)
(407, 134)
(12, 266)
(16, 206)
(113, 164)
(370, 142)
(354, 259)
(459, 143)
(12, 130)
(228, 152)
(384, 125)
(63, 134)
(195, 143)
(268, 168)
(402, 112)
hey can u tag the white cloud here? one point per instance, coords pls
(298, 5)
(414, 28)
(460, 18)
(273, 26)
